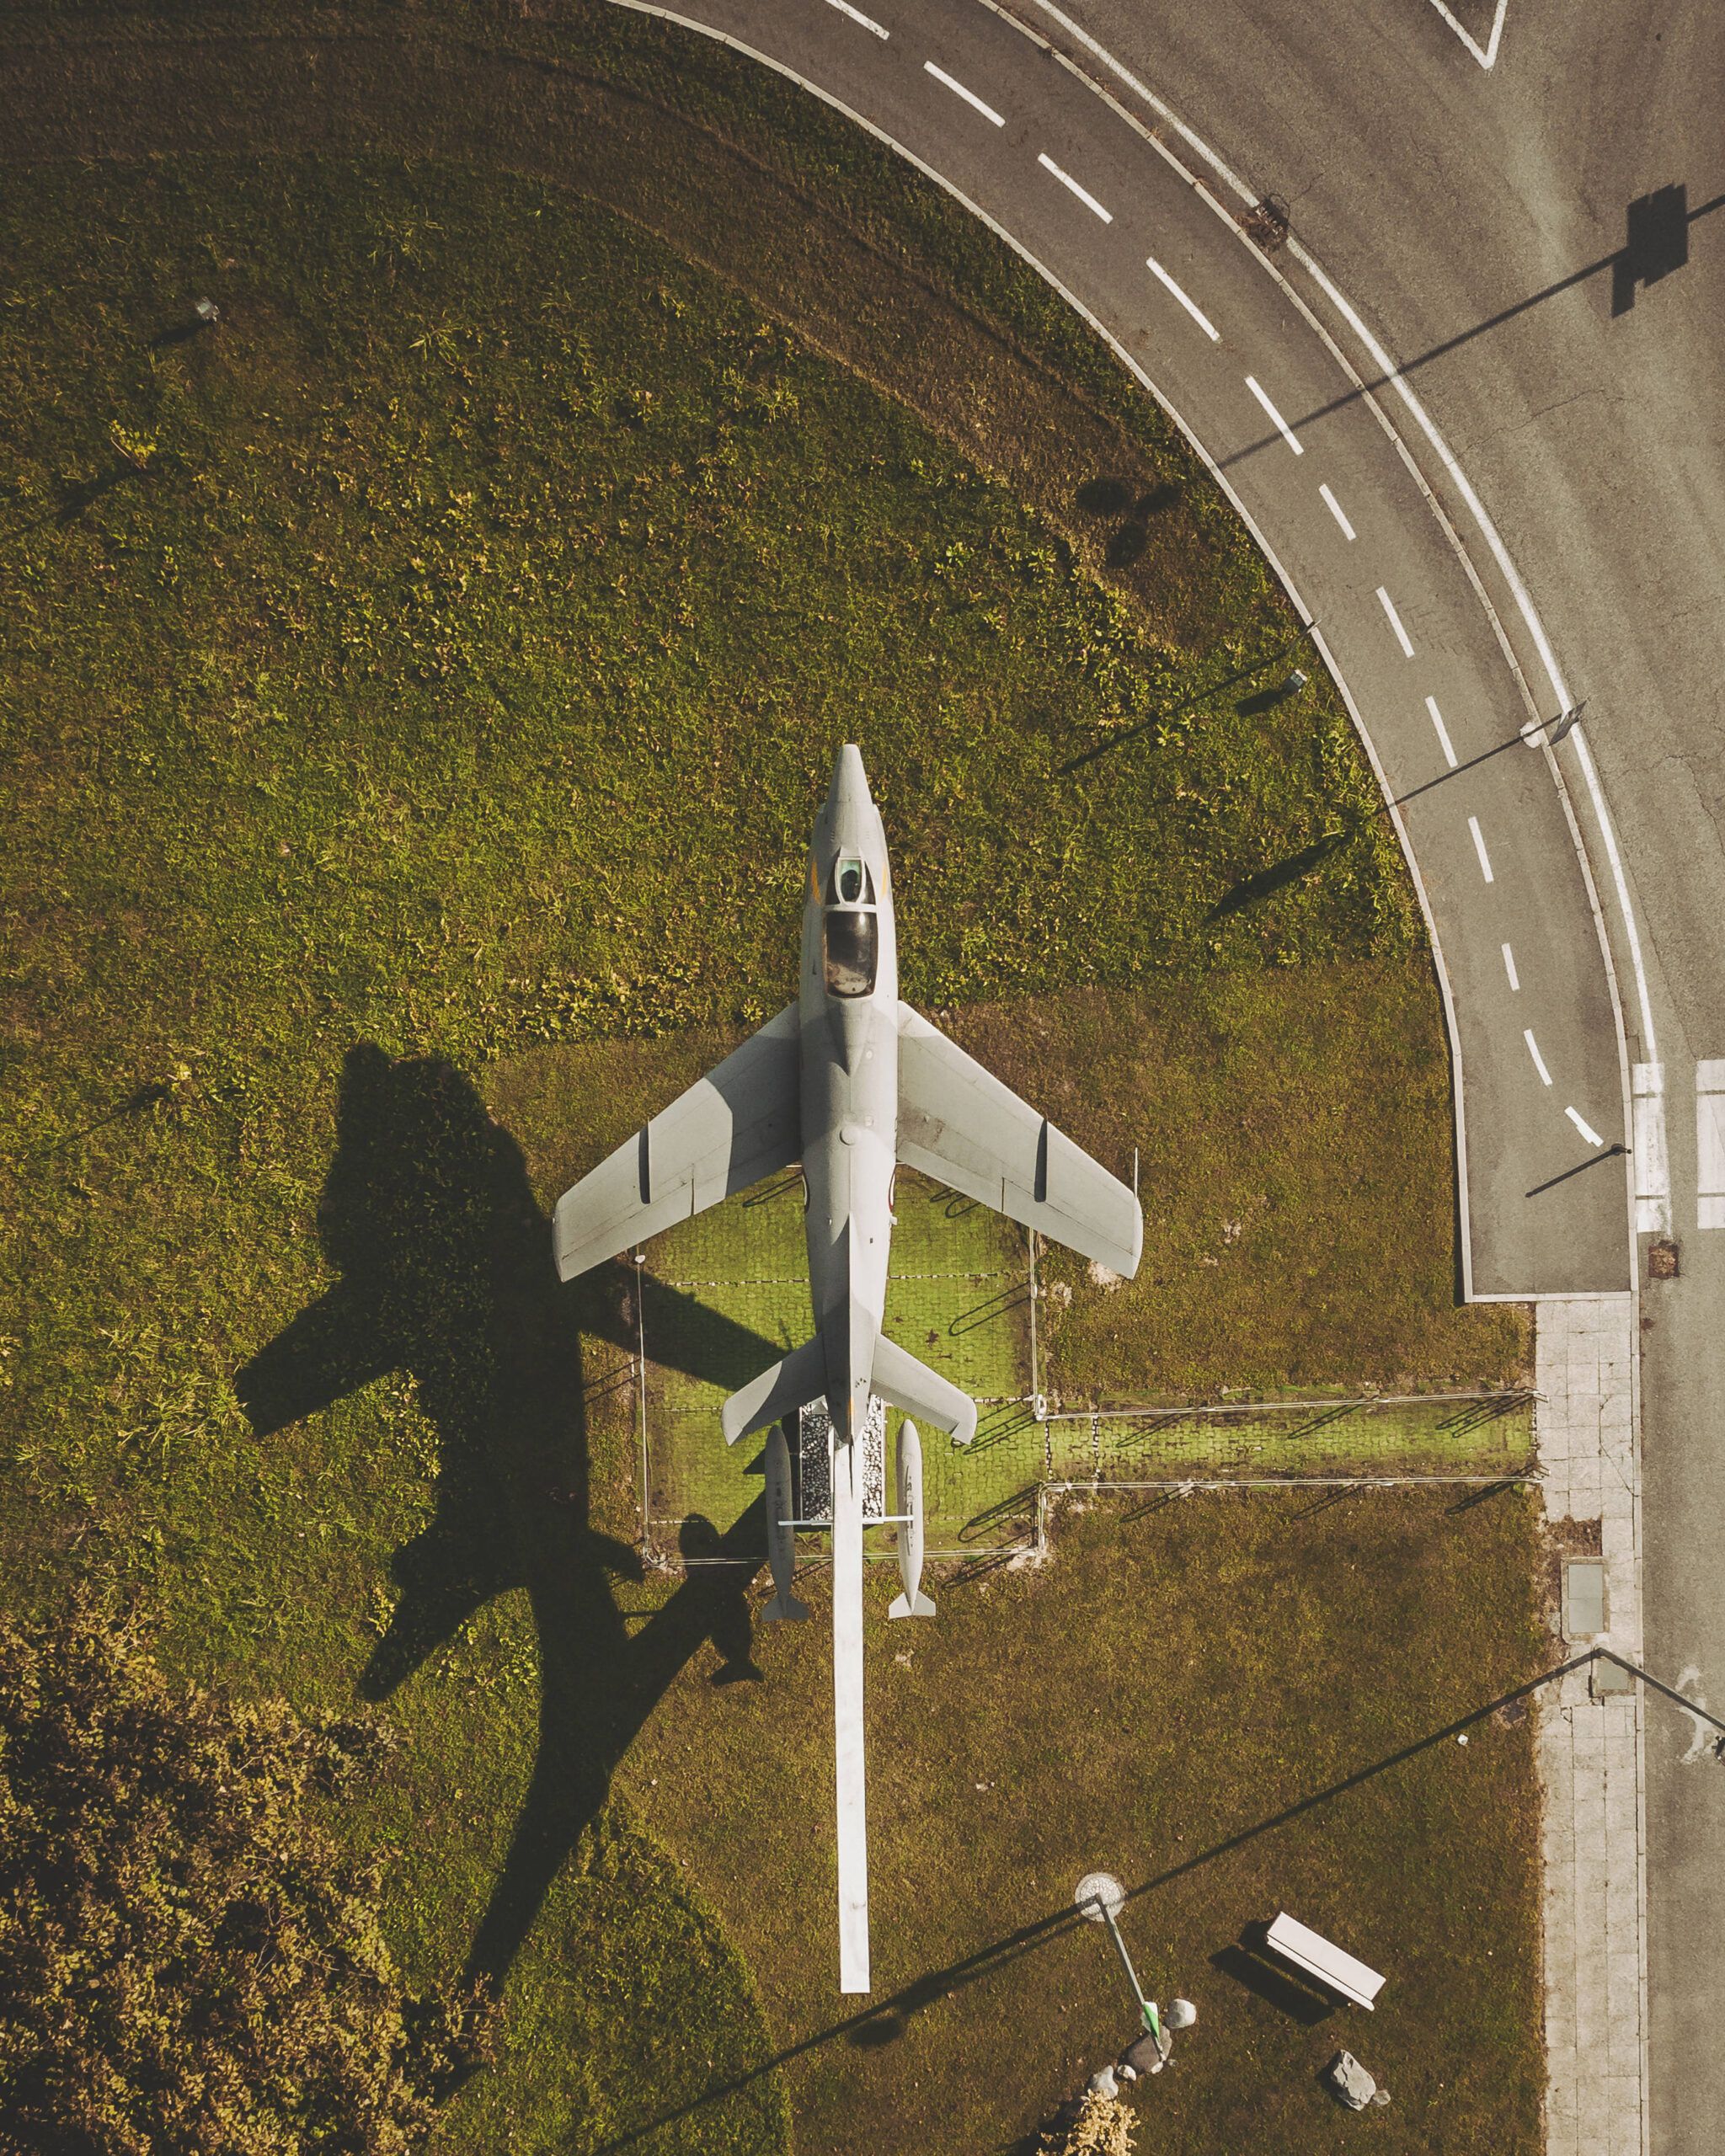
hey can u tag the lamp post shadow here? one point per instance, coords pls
(446, 1272)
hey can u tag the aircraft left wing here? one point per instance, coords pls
(959, 1124)
(740, 1123)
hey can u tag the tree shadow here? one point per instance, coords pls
(446, 1271)
(76, 499)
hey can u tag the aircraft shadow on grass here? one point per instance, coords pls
(447, 1272)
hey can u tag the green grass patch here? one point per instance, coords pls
(1151, 1704)
(417, 695)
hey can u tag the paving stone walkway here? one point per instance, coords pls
(1590, 1749)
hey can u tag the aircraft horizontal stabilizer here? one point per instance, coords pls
(777, 1392)
(914, 1389)
(904, 1606)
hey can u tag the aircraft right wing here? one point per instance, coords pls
(959, 1124)
(740, 1123)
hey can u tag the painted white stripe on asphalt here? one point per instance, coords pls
(1286, 432)
(1395, 622)
(1591, 1135)
(1509, 968)
(1335, 508)
(1392, 373)
(1652, 1167)
(959, 90)
(1539, 1061)
(1066, 179)
(1202, 321)
(1479, 847)
(856, 15)
(1431, 704)
(1710, 1142)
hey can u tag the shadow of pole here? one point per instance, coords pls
(1030, 1938)
(1656, 242)
(446, 1271)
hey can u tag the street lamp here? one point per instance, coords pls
(1096, 1895)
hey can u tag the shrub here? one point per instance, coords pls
(1103, 2126)
(186, 1963)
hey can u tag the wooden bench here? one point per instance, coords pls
(1314, 1956)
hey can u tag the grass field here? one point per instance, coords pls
(416, 694)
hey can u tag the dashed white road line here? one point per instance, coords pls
(1066, 179)
(1479, 847)
(1509, 968)
(1586, 1129)
(1532, 1049)
(1163, 277)
(1431, 704)
(1283, 429)
(856, 15)
(1335, 508)
(1388, 607)
(959, 90)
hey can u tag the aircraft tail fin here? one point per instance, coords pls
(911, 1386)
(908, 1606)
(784, 1608)
(777, 1392)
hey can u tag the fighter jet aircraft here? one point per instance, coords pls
(853, 1084)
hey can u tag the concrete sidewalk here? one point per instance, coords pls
(1590, 1749)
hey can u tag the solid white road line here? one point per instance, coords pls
(1388, 605)
(1710, 1142)
(1653, 1168)
(1163, 277)
(856, 15)
(1587, 1131)
(959, 90)
(1479, 847)
(1509, 968)
(1335, 508)
(1286, 432)
(1532, 1049)
(1066, 179)
(1431, 704)
(1392, 373)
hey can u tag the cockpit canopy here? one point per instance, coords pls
(852, 929)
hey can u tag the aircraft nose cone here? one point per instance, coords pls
(849, 782)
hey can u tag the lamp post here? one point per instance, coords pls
(1096, 1897)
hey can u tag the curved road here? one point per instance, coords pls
(1523, 508)
(1422, 637)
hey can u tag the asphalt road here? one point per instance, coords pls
(1572, 350)
(1540, 249)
